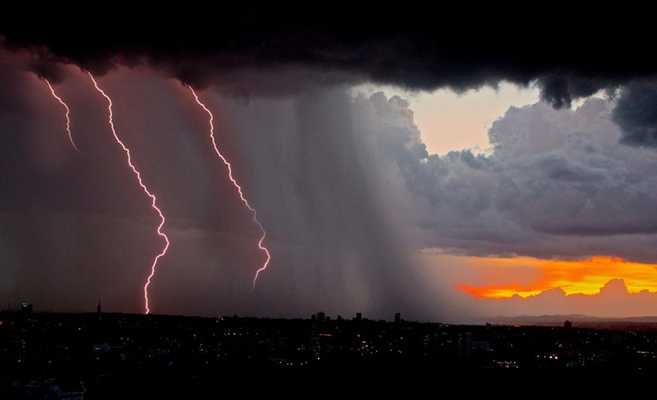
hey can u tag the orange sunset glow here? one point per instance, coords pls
(526, 276)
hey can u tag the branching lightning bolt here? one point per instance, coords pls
(68, 113)
(154, 205)
(229, 169)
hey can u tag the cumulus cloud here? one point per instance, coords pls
(557, 184)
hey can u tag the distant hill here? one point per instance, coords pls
(578, 320)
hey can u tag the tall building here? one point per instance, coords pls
(398, 318)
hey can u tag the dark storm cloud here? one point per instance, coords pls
(636, 114)
(277, 50)
(569, 53)
(75, 226)
(449, 46)
(560, 91)
(54, 72)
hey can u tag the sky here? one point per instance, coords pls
(451, 121)
(392, 172)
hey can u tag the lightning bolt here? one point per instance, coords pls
(229, 169)
(148, 193)
(68, 113)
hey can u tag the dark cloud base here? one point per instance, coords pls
(572, 53)
(636, 114)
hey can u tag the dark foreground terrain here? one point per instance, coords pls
(48, 355)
